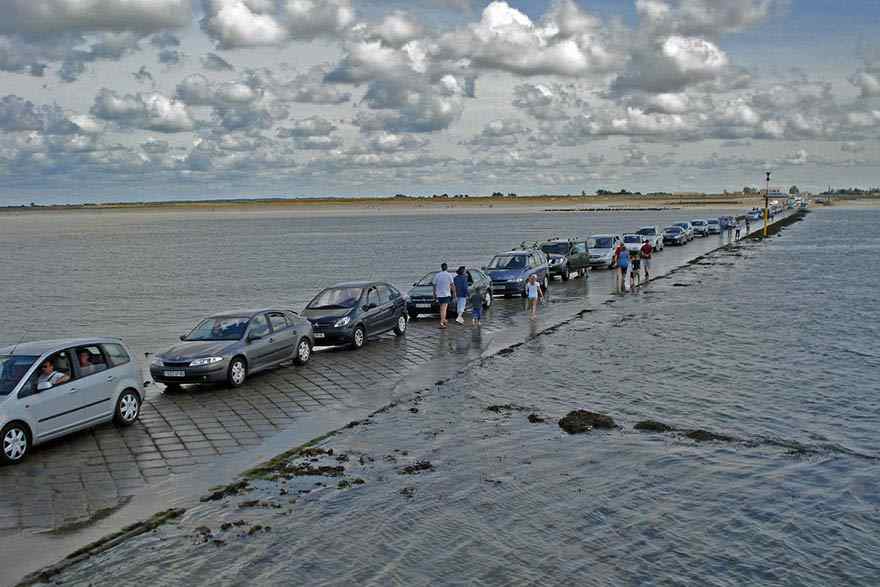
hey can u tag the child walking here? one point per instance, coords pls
(476, 307)
(534, 294)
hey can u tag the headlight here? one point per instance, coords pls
(519, 279)
(342, 322)
(157, 362)
(205, 361)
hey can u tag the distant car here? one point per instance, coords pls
(654, 235)
(727, 222)
(349, 313)
(52, 388)
(674, 235)
(756, 214)
(687, 228)
(509, 271)
(714, 226)
(633, 242)
(568, 257)
(228, 347)
(420, 299)
(701, 227)
(602, 249)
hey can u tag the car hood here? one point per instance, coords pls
(322, 315)
(421, 291)
(555, 257)
(188, 350)
(504, 274)
(601, 252)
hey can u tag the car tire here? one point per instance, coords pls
(487, 299)
(545, 284)
(128, 408)
(303, 352)
(565, 274)
(359, 337)
(237, 372)
(16, 443)
(401, 325)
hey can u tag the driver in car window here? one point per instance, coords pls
(49, 377)
(86, 367)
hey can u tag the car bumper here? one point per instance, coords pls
(417, 307)
(557, 270)
(208, 374)
(331, 336)
(509, 288)
(600, 261)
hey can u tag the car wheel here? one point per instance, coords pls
(487, 300)
(16, 441)
(401, 325)
(359, 338)
(128, 408)
(237, 372)
(565, 274)
(303, 352)
(546, 283)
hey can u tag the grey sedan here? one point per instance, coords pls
(228, 347)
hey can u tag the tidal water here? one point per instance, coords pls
(772, 344)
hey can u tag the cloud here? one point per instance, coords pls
(568, 42)
(104, 46)
(852, 147)
(502, 132)
(704, 17)
(213, 62)
(251, 23)
(672, 65)
(545, 101)
(18, 114)
(385, 142)
(149, 111)
(397, 29)
(143, 75)
(307, 87)
(54, 16)
(868, 81)
(308, 127)
(170, 56)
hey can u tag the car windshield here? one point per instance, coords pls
(508, 262)
(632, 238)
(673, 229)
(602, 242)
(681, 224)
(647, 231)
(697, 223)
(556, 248)
(711, 222)
(336, 298)
(224, 328)
(12, 369)
(427, 279)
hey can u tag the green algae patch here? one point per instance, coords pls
(271, 469)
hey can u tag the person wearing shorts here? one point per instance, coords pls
(623, 267)
(646, 252)
(444, 289)
(636, 273)
(533, 294)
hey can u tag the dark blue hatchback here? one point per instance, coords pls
(509, 271)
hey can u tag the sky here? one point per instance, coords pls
(130, 100)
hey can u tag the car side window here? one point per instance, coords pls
(117, 354)
(89, 360)
(259, 326)
(383, 294)
(278, 321)
(373, 297)
(579, 248)
(53, 372)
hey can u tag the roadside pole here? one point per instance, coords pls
(767, 205)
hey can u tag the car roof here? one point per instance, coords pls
(518, 252)
(604, 235)
(360, 284)
(38, 347)
(246, 312)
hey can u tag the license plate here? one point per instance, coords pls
(174, 373)
(319, 335)
(423, 305)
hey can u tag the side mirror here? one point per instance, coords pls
(182, 337)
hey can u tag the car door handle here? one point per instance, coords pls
(72, 390)
(111, 378)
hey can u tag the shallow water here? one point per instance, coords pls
(771, 343)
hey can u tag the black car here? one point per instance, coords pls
(230, 346)
(567, 257)
(348, 313)
(421, 296)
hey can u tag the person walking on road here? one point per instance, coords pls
(647, 251)
(738, 229)
(623, 267)
(476, 307)
(444, 289)
(461, 292)
(636, 262)
(748, 226)
(534, 295)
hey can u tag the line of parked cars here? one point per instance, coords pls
(52, 388)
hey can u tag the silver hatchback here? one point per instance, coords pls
(52, 388)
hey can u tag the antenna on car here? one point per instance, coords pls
(20, 340)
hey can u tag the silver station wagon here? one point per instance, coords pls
(52, 388)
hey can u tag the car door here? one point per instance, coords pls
(372, 313)
(57, 409)
(95, 380)
(283, 337)
(577, 256)
(258, 347)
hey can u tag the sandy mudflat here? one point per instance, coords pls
(405, 206)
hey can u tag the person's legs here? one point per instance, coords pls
(460, 305)
(443, 306)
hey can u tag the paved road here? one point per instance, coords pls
(183, 435)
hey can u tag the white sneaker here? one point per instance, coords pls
(460, 320)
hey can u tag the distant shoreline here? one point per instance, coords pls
(546, 203)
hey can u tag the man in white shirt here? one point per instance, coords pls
(444, 291)
(49, 377)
